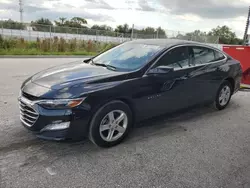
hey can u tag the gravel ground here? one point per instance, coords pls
(198, 148)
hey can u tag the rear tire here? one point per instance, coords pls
(110, 124)
(223, 95)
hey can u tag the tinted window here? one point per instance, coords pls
(202, 55)
(218, 56)
(128, 56)
(176, 58)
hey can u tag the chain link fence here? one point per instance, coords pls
(52, 39)
(34, 31)
(31, 32)
(180, 35)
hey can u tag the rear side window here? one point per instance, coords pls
(202, 55)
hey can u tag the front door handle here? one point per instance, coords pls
(168, 85)
(182, 78)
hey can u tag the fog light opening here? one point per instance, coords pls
(56, 125)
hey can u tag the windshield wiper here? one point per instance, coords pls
(89, 60)
(104, 65)
(99, 64)
(92, 61)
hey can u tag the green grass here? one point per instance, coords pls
(18, 51)
(55, 46)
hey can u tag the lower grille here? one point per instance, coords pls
(27, 114)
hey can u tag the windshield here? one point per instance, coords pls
(128, 56)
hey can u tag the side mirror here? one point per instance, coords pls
(161, 70)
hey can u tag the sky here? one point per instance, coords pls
(171, 15)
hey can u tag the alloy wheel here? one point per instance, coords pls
(113, 125)
(224, 96)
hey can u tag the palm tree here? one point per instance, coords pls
(79, 20)
(62, 19)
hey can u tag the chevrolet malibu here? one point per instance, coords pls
(102, 97)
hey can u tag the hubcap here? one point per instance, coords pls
(224, 95)
(113, 125)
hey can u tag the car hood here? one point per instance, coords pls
(60, 76)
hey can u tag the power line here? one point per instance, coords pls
(21, 10)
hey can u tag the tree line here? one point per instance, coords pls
(77, 25)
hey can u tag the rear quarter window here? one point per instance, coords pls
(218, 56)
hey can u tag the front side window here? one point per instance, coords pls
(128, 56)
(176, 58)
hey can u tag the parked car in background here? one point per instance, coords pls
(102, 97)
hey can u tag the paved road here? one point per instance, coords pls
(198, 148)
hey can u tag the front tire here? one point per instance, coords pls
(223, 96)
(110, 124)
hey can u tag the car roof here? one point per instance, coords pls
(166, 43)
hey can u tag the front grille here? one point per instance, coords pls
(30, 97)
(27, 114)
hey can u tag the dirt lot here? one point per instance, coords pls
(198, 148)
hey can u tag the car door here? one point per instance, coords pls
(207, 72)
(170, 91)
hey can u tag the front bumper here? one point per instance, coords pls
(35, 118)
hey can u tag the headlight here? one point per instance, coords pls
(60, 103)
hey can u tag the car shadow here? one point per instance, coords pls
(161, 126)
(244, 90)
(167, 124)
